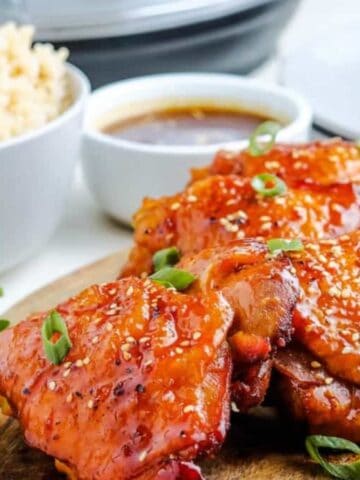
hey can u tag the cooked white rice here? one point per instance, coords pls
(34, 86)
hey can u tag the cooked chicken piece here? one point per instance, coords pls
(326, 318)
(323, 163)
(146, 381)
(311, 395)
(220, 209)
(262, 291)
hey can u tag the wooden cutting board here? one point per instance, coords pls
(259, 447)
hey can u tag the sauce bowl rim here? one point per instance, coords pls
(301, 118)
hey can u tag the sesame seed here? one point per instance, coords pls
(95, 340)
(179, 350)
(355, 337)
(144, 339)
(315, 364)
(67, 365)
(131, 339)
(329, 380)
(86, 361)
(112, 291)
(79, 363)
(189, 408)
(69, 398)
(185, 343)
(142, 456)
(129, 291)
(272, 164)
(196, 335)
(175, 206)
(234, 407)
(127, 356)
(52, 385)
(66, 373)
(191, 198)
(90, 404)
(266, 226)
(109, 327)
(334, 291)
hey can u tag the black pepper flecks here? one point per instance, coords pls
(119, 389)
(140, 388)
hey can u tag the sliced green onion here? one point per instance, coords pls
(173, 277)
(277, 245)
(268, 185)
(166, 258)
(257, 144)
(345, 471)
(4, 324)
(55, 352)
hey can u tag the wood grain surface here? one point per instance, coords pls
(261, 446)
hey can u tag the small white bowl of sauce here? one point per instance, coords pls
(142, 136)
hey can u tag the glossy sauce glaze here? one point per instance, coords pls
(326, 318)
(221, 206)
(187, 125)
(145, 381)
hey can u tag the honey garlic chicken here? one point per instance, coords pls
(322, 163)
(222, 208)
(319, 375)
(311, 395)
(143, 389)
(262, 292)
(313, 294)
(326, 317)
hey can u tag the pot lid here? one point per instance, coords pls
(86, 19)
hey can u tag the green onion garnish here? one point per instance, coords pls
(4, 324)
(268, 185)
(173, 277)
(55, 351)
(166, 258)
(277, 245)
(345, 471)
(257, 145)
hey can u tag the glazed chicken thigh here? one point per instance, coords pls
(322, 163)
(143, 389)
(221, 209)
(262, 292)
(311, 295)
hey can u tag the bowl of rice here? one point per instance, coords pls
(42, 99)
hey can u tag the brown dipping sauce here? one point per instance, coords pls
(187, 125)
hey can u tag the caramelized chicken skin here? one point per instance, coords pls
(262, 291)
(146, 381)
(220, 209)
(326, 317)
(312, 396)
(322, 163)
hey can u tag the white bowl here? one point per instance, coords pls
(120, 173)
(36, 170)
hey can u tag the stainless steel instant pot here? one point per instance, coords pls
(114, 39)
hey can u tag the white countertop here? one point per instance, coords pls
(85, 234)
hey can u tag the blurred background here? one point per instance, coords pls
(312, 46)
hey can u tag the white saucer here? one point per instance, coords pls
(326, 70)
